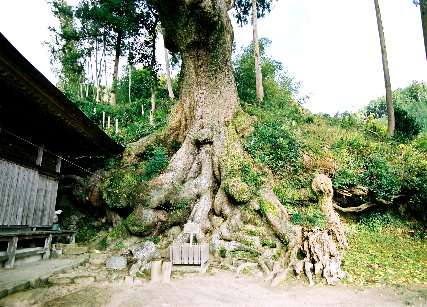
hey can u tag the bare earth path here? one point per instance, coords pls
(225, 289)
(221, 289)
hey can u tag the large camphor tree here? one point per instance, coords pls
(207, 171)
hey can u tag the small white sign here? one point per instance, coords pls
(192, 228)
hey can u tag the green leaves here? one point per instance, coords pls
(279, 87)
(243, 9)
(274, 146)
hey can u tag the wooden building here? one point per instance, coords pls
(43, 135)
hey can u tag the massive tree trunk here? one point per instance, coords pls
(388, 93)
(116, 67)
(208, 102)
(204, 175)
(258, 73)
(423, 10)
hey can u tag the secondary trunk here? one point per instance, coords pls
(116, 68)
(388, 93)
(258, 73)
(153, 105)
(168, 75)
(423, 9)
(130, 82)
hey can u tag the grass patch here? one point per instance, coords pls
(389, 255)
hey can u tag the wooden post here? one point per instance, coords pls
(108, 122)
(103, 119)
(11, 250)
(46, 249)
(117, 125)
(58, 164)
(39, 156)
(166, 272)
(156, 271)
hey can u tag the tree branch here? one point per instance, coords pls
(354, 209)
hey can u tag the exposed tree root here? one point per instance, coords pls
(355, 209)
(196, 176)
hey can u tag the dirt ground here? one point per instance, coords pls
(220, 289)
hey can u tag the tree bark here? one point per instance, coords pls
(168, 75)
(388, 96)
(116, 68)
(258, 73)
(423, 10)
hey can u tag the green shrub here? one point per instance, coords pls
(125, 183)
(157, 160)
(119, 188)
(86, 232)
(381, 178)
(118, 232)
(414, 185)
(274, 145)
(407, 126)
(420, 142)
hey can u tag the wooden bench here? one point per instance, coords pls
(12, 237)
(189, 253)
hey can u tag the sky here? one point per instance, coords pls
(330, 46)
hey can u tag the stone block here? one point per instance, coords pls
(116, 263)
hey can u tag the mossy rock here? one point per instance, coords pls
(238, 190)
(266, 207)
(135, 225)
(250, 216)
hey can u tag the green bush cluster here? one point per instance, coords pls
(125, 184)
(274, 145)
(410, 105)
(407, 125)
(119, 187)
(157, 160)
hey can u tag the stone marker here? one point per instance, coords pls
(166, 272)
(156, 271)
(116, 263)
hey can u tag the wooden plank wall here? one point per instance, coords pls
(27, 198)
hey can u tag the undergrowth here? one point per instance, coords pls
(383, 249)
